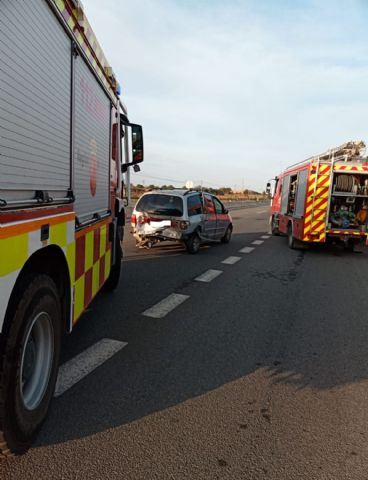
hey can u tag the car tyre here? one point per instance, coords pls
(193, 243)
(227, 237)
(29, 359)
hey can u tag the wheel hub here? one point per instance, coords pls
(36, 360)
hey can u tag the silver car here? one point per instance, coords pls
(186, 216)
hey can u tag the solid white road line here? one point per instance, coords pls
(208, 276)
(265, 237)
(161, 309)
(231, 260)
(246, 250)
(257, 242)
(83, 364)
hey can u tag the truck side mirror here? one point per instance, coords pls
(268, 188)
(137, 143)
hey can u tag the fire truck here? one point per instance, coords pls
(323, 199)
(65, 143)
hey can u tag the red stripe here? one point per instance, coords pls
(34, 213)
(319, 202)
(323, 181)
(318, 215)
(87, 288)
(315, 227)
(80, 257)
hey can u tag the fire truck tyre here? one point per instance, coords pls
(274, 227)
(227, 237)
(193, 243)
(29, 358)
(113, 281)
(293, 242)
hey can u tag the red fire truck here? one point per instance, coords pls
(65, 140)
(323, 198)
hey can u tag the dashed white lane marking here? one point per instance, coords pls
(257, 242)
(161, 309)
(265, 237)
(246, 250)
(231, 260)
(208, 276)
(83, 364)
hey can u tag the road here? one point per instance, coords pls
(259, 374)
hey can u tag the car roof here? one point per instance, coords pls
(178, 192)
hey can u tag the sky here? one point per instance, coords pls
(230, 93)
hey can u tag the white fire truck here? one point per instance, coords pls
(65, 140)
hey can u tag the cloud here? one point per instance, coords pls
(232, 90)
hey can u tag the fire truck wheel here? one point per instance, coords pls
(29, 358)
(274, 227)
(193, 243)
(113, 281)
(293, 243)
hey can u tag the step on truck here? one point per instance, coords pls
(323, 199)
(65, 142)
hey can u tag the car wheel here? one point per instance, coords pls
(227, 237)
(193, 244)
(29, 357)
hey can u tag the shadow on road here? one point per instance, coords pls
(302, 316)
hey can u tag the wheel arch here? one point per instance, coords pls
(49, 261)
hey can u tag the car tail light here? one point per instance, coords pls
(133, 219)
(144, 219)
(184, 225)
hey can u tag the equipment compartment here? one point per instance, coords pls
(349, 202)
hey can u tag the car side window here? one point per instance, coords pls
(194, 205)
(218, 206)
(208, 203)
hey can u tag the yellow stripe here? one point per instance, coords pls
(88, 262)
(103, 233)
(70, 258)
(58, 234)
(14, 254)
(107, 263)
(319, 229)
(79, 297)
(322, 192)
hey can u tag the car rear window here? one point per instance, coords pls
(158, 204)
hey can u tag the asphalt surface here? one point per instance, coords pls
(260, 374)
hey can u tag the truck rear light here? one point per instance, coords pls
(133, 219)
